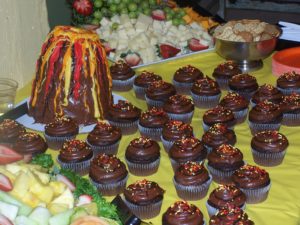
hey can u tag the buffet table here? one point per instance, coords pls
(283, 203)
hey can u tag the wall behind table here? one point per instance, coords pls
(24, 26)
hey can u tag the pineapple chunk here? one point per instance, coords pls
(56, 208)
(58, 187)
(44, 193)
(65, 198)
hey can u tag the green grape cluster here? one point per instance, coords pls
(175, 16)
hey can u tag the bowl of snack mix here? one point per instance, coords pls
(246, 42)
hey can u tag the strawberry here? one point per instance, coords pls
(168, 51)
(5, 183)
(84, 199)
(158, 14)
(4, 220)
(66, 181)
(195, 45)
(132, 59)
(8, 155)
(83, 7)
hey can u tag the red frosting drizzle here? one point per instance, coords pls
(78, 66)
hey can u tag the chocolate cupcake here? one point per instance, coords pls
(186, 149)
(224, 195)
(142, 81)
(218, 114)
(184, 78)
(244, 84)
(289, 82)
(265, 116)
(223, 161)
(158, 92)
(75, 155)
(104, 138)
(217, 135)
(230, 215)
(151, 123)
(290, 106)
(179, 107)
(174, 130)
(108, 174)
(192, 181)
(142, 156)
(205, 92)
(59, 130)
(253, 181)
(30, 143)
(266, 92)
(181, 212)
(10, 130)
(224, 71)
(144, 198)
(237, 104)
(122, 76)
(269, 148)
(125, 116)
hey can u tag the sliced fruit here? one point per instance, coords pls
(90, 220)
(43, 192)
(195, 45)
(10, 175)
(158, 14)
(84, 199)
(44, 177)
(4, 220)
(8, 210)
(132, 59)
(40, 215)
(66, 181)
(83, 7)
(110, 221)
(65, 198)
(31, 200)
(23, 220)
(61, 218)
(8, 155)
(91, 208)
(56, 208)
(58, 187)
(78, 212)
(5, 183)
(15, 168)
(168, 51)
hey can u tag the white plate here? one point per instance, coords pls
(28, 121)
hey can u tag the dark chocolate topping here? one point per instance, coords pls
(30, 143)
(243, 82)
(265, 112)
(289, 80)
(267, 92)
(146, 78)
(174, 130)
(123, 111)
(218, 114)
(121, 71)
(187, 74)
(178, 104)
(226, 70)
(154, 118)
(234, 102)
(206, 87)
(10, 130)
(62, 126)
(290, 103)
(160, 90)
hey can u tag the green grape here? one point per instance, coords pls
(144, 5)
(121, 6)
(95, 21)
(124, 11)
(181, 12)
(98, 3)
(98, 14)
(152, 2)
(182, 21)
(114, 26)
(169, 16)
(109, 2)
(147, 11)
(167, 9)
(113, 8)
(105, 12)
(117, 2)
(132, 15)
(126, 1)
(132, 7)
(176, 21)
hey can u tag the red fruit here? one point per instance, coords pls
(5, 183)
(8, 155)
(168, 51)
(84, 199)
(158, 14)
(107, 48)
(132, 59)
(83, 7)
(195, 45)
(66, 181)
(4, 220)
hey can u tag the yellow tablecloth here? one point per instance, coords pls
(283, 204)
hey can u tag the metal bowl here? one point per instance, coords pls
(248, 55)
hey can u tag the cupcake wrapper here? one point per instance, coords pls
(167, 144)
(192, 192)
(288, 91)
(143, 169)
(241, 115)
(56, 143)
(139, 91)
(176, 164)
(256, 195)
(144, 211)
(268, 159)
(256, 127)
(153, 103)
(153, 133)
(109, 149)
(123, 85)
(213, 211)
(111, 189)
(205, 102)
(291, 119)
(206, 127)
(182, 88)
(208, 148)
(223, 83)
(126, 127)
(186, 117)
(79, 167)
(219, 176)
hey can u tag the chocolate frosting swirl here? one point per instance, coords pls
(30, 143)
(206, 87)
(142, 150)
(218, 114)
(290, 103)
(144, 192)
(191, 173)
(154, 118)
(104, 134)
(289, 80)
(187, 149)
(178, 104)
(267, 92)
(225, 157)
(74, 151)
(61, 126)
(217, 135)
(187, 74)
(10, 130)
(160, 90)
(175, 129)
(123, 111)
(265, 112)
(106, 169)
(226, 194)
(243, 82)
(269, 141)
(250, 177)
(146, 78)
(121, 71)
(181, 212)
(234, 102)
(231, 215)
(226, 70)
